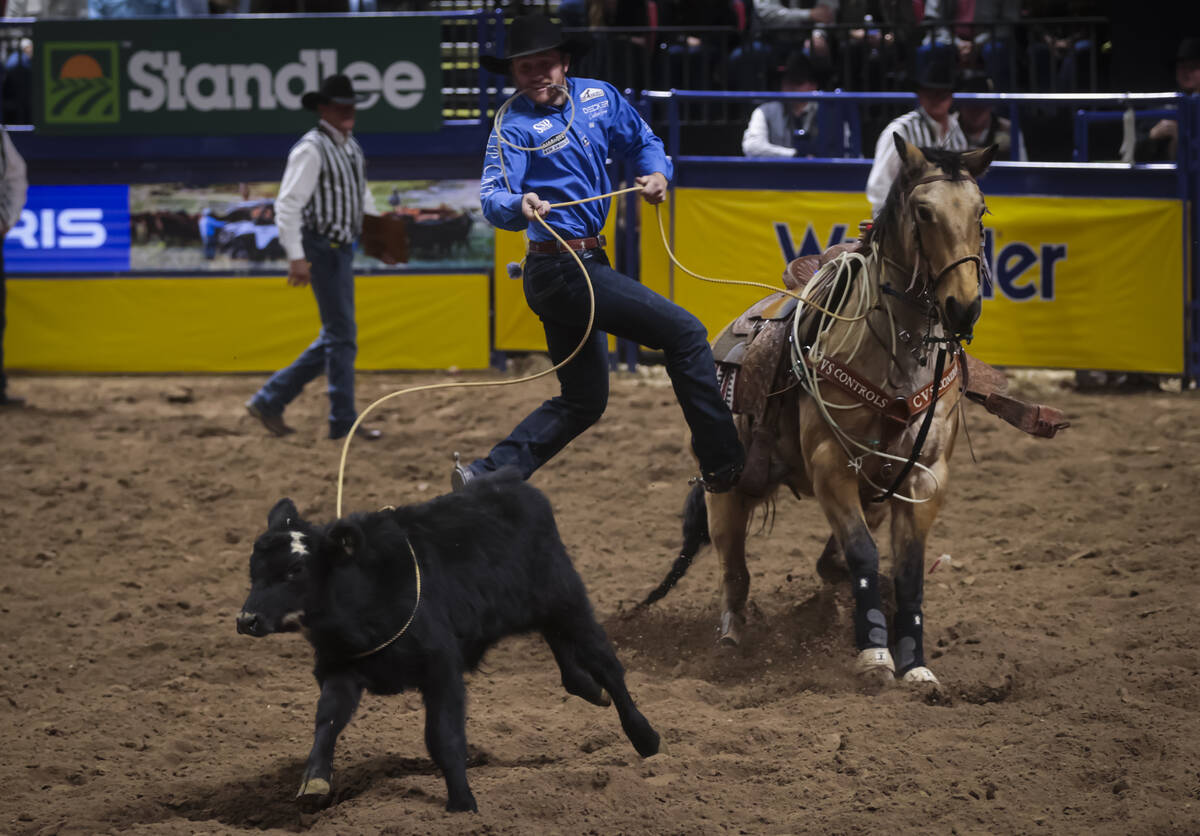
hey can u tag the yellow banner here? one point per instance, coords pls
(1077, 282)
(238, 324)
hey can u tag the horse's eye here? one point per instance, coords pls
(924, 214)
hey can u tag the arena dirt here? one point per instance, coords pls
(1063, 629)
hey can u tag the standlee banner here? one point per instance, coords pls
(1077, 283)
(67, 229)
(247, 76)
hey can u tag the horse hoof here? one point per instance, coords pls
(314, 795)
(731, 631)
(873, 660)
(920, 675)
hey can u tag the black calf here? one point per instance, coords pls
(491, 565)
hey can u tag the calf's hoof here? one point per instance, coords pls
(466, 804)
(315, 794)
(598, 697)
(730, 633)
(648, 744)
(920, 675)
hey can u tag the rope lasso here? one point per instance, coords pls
(416, 603)
(459, 384)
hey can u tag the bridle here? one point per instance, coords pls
(949, 343)
(926, 296)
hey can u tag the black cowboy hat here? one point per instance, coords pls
(938, 72)
(1189, 50)
(336, 89)
(975, 81)
(530, 34)
(799, 69)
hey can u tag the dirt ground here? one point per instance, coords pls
(1063, 630)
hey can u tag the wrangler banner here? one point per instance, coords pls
(213, 76)
(1081, 283)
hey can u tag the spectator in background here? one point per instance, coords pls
(777, 28)
(782, 24)
(1161, 144)
(874, 57)
(13, 185)
(979, 33)
(319, 212)
(979, 122)
(626, 51)
(929, 125)
(578, 14)
(18, 85)
(1060, 54)
(693, 57)
(781, 128)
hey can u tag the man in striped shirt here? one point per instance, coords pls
(13, 185)
(319, 212)
(930, 125)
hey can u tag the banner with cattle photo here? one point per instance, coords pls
(231, 227)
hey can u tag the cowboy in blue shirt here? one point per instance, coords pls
(550, 146)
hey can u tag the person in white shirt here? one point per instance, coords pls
(773, 127)
(929, 125)
(13, 186)
(319, 213)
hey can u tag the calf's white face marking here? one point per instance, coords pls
(298, 546)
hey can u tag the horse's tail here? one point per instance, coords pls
(695, 537)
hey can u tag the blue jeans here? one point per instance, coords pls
(556, 292)
(335, 347)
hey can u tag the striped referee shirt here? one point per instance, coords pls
(13, 182)
(324, 190)
(921, 130)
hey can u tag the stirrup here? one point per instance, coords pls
(723, 480)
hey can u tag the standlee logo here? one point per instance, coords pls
(160, 80)
(82, 84)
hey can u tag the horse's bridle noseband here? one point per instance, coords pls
(934, 278)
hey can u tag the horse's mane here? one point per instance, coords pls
(950, 162)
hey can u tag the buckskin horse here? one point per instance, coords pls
(849, 391)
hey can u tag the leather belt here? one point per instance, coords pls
(592, 243)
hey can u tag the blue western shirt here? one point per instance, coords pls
(570, 161)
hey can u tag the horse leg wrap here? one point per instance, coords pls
(910, 649)
(870, 625)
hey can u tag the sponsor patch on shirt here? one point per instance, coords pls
(597, 107)
(542, 127)
(555, 143)
(590, 93)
